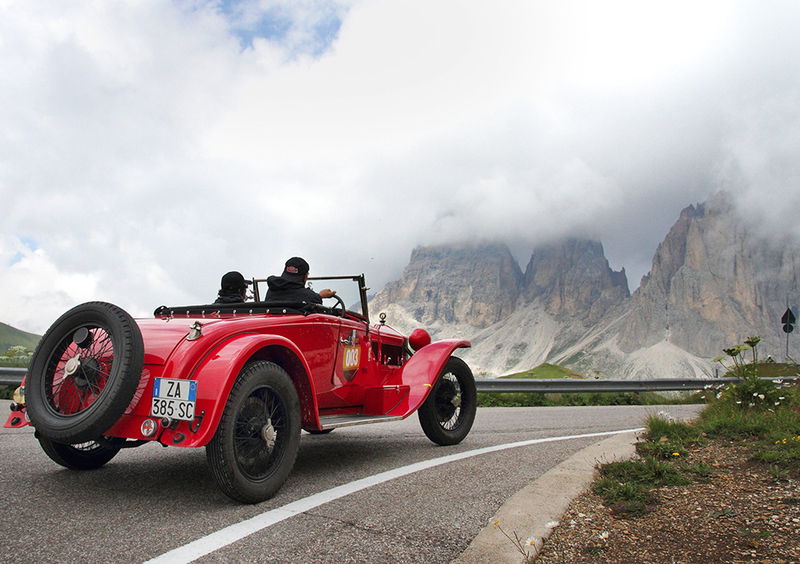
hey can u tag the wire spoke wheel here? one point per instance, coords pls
(447, 401)
(81, 456)
(260, 431)
(76, 375)
(447, 415)
(255, 445)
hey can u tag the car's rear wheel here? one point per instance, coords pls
(82, 456)
(448, 413)
(256, 443)
(84, 373)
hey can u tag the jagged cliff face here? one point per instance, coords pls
(514, 320)
(713, 283)
(473, 285)
(572, 278)
(481, 285)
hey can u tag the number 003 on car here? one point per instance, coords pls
(174, 398)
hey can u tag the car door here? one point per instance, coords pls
(352, 354)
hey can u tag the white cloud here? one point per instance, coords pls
(147, 148)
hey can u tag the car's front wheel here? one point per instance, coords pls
(82, 456)
(448, 413)
(256, 443)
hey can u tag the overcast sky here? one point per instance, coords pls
(148, 146)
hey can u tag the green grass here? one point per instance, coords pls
(545, 371)
(625, 499)
(659, 428)
(769, 431)
(647, 472)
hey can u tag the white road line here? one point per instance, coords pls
(232, 533)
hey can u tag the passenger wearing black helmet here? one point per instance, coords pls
(290, 286)
(233, 290)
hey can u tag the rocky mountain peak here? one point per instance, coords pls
(572, 278)
(473, 284)
(712, 284)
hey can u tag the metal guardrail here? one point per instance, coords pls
(562, 386)
(13, 377)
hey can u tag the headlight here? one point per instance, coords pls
(419, 338)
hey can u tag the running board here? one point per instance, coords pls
(333, 421)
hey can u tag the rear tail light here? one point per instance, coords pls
(149, 427)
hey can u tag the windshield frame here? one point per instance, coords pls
(357, 278)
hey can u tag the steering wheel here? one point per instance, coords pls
(339, 304)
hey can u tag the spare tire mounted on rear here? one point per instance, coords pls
(84, 372)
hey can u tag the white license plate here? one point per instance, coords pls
(174, 398)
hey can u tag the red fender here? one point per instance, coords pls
(216, 374)
(422, 370)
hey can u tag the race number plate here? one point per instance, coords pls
(174, 398)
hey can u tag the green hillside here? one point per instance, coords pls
(545, 372)
(9, 336)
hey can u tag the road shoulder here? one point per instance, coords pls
(528, 513)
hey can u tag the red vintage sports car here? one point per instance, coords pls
(241, 380)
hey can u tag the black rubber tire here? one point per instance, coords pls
(449, 411)
(319, 431)
(84, 456)
(255, 445)
(77, 407)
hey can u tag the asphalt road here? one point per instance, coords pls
(150, 500)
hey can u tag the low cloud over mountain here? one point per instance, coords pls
(715, 280)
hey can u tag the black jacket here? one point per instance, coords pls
(282, 290)
(225, 297)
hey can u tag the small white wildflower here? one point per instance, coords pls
(777, 403)
(781, 398)
(530, 541)
(755, 394)
(761, 396)
(719, 394)
(603, 535)
(739, 402)
(702, 397)
(751, 404)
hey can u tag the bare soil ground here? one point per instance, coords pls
(746, 512)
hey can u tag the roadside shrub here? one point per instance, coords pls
(647, 472)
(659, 428)
(625, 499)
